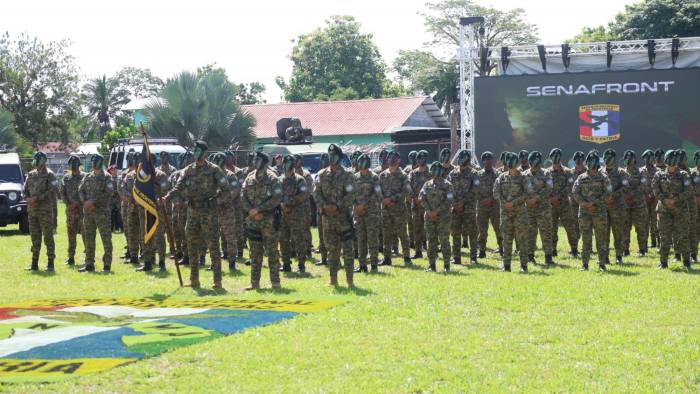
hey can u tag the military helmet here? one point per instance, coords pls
(659, 154)
(629, 157)
(412, 156)
(534, 158)
(609, 156)
(74, 161)
(335, 154)
(696, 157)
(555, 155)
(324, 159)
(463, 157)
(383, 154)
(511, 160)
(681, 156)
(288, 162)
(97, 160)
(39, 159)
(648, 154)
(592, 159)
(364, 162)
(436, 168)
(523, 155)
(219, 159)
(578, 155)
(445, 155)
(486, 155)
(671, 157)
(393, 157)
(261, 160)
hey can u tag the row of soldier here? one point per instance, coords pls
(380, 204)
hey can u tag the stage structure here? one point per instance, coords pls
(624, 95)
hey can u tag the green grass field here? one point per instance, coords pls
(632, 329)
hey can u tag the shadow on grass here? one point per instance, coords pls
(298, 275)
(414, 267)
(358, 291)
(46, 274)
(281, 290)
(481, 266)
(620, 273)
(210, 292)
(235, 272)
(685, 271)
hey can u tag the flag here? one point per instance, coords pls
(144, 192)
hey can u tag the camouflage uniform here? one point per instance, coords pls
(634, 191)
(336, 188)
(306, 208)
(200, 185)
(229, 205)
(262, 191)
(649, 172)
(41, 186)
(135, 235)
(416, 179)
(673, 222)
(539, 187)
(484, 213)
(295, 199)
(98, 188)
(616, 209)
(695, 213)
(562, 212)
(437, 195)
(574, 204)
(394, 186)
(179, 218)
(464, 212)
(74, 210)
(593, 189)
(368, 194)
(319, 225)
(125, 201)
(514, 223)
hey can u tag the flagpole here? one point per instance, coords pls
(166, 219)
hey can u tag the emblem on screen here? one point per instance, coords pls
(599, 123)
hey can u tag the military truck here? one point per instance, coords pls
(117, 156)
(13, 207)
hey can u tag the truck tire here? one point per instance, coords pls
(24, 224)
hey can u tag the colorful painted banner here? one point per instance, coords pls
(55, 339)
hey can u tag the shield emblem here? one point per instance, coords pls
(599, 123)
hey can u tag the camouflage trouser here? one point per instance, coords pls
(125, 223)
(93, 222)
(540, 219)
(230, 228)
(677, 248)
(653, 222)
(338, 232)
(292, 236)
(463, 230)
(565, 215)
(575, 208)
(438, 237)
(367, 228)
(41, 227)
(321, 237)
(262, 236)
(411, 225)
(673, 224)
(202, 231)
(616, 223)
(179, 223)
(637, 217)
(694, 227)
(418, 225)
(483, 216)
(157, 242)
(394, 226)
(306, 221)
(241, 234)
(588, 223)
(54, 213)
(74, 224)
(135, 234)
(513, 226)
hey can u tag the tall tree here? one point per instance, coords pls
(657, 19)
(337, 61)
(250, 93)
(103, 98)
(38, 81)
(201, 105)
(139, 82)
(593, 34)
(7, 135)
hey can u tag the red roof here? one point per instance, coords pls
(354, 117)
(56, 147)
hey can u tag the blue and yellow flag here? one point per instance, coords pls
(144, 191)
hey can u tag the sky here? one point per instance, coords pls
(252, 40)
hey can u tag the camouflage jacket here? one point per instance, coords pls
(42, 187)
(71, 183)
(367, 191)
(695, 177)
(295, 190)
(511, 188)
(464, 188)
(416, 178)
(200, 184)
(394, 185)
(592, 189)
(309, 181)
(615, 176)
(335, 188)
(648, 174)
(539, 186)
(437, 195)
(485, 182)
(168, 170)
(261, 191)
(634, 185)
(677, 186)
(562, 181)
(97, 187)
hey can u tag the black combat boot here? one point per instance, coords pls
(626, 252)
(694, 258)
(202, 260)
(407, 261)
(178, 256)
(677, 257)
(662, 265)
(70, 262)
(555, 254)
(431, 267)
(386, 261)
(531, 258)
(34, 266)
(500, 251)
(184, 261)
(107, 268)
(506, 267)
(361, 268)
(49, 265)
(286, 266)
(618, 260)
(302, 267)
(248, 262)
(584, 267)
(686, 264)
(134, 260)
(126, 255)
(161, 265)
(446, 269)
(418, 254)
(574, 253)
(232, 265)
(472, 259)
(642, 253)
(523, 268)
(482, 254)
(601, 266)
(373, 268)
(653, 242)
(324, 261)
(548, 261)
(146, 267)
(457, 260)
(88, 267)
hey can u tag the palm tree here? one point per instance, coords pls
(104, 98)
(201, 106)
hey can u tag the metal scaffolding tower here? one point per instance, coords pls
(468, 53)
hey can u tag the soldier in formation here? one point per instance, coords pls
(39, 191)
(74, 209)
(95, 192)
